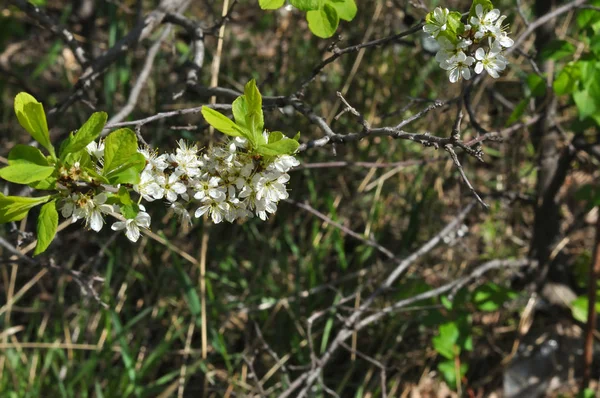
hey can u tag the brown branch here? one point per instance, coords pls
(590, 328)
(43, 19)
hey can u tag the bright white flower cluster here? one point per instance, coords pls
(225, 182)
(476, 46)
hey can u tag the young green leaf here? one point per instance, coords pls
(221, 122)
(284, 146)
(324, 21)
(122, 162)
(15, 208)
(25, 173)
(270, 4)
(305, 5)
(240, 109)
(90, 130)
(275, 136)
(25, 154)
(46, 227)
(46, 184)
(129, 172)
(254, 113)
(33, 119)
(557, 49)
(568, 78)
(346, 9)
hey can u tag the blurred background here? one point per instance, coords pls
(244, 309)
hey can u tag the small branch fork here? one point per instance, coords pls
(427, 140)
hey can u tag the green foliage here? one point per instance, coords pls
(449, 371)
(15, 208)
(579, 308)
(46, 227)
(270, 4)
(557, 50)
(25, 154)
(491, 297)
(25, 173)
(32, 118)
(89, 132)
(568, 79)
(122, 162)
(249, 124)
(536, 84)
(323, 16)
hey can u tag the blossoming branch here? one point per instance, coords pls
(241, 177)
(477, 46)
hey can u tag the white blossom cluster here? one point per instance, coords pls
(479, 47)
(225, 182)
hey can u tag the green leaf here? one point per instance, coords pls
(221, 122)
(324, 21)
(346, 9)
(270, 4)
(567, 80)
(90, 130)
(536, 84)
(305, 5)
(275, 136)
(586, 103)
(579, 308)
(15, 208)
(25, 173)
(518, 111)
(445, 342)
(46, 184)
(454, 24)
(557, 49)
(129, 172)
(46, 227)
(254, 115)
(25, 154)
(490, 296)
(95, 175)
(33, 119)
(122, 162)
(486, 4)
(587, 393)
(284, 146)
(240, 109)
(449, 371)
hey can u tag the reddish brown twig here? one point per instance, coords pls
(588, 348)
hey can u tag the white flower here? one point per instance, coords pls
(271, 186)
(262, 207)
(181, 211)
(491, 61)
(150, 186)
(92, 209)
(210, 189)
(172, 187)
(132, 226)
(154, 162)
(69, 206)
(458, 66)
(500, 35)
(216, 210)
(283, 163)
(484, 22)
(96, 149)
(438, 23)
